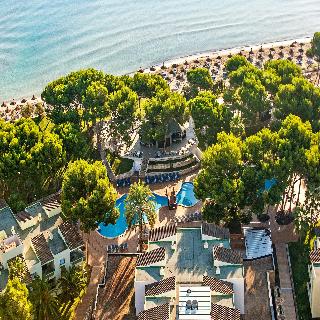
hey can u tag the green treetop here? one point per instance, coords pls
(146, 85)
(200, 78)
(300, 98)
(94, 100)
(87, 195)
(220, 177)
(285, 69)
(44, 301)
(159, 111)
(123, 106)
(236, 62)
(315, 50)
(72, 282)
(25, 150)
(237, 76)
(80, 96)
(14, 303)
(210, 117)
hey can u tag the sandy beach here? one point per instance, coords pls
(235, 50)
(174, 70)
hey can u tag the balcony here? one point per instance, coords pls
(48, 270)
(9, 244)
(76, 256)
(49, 275)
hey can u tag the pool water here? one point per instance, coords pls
(269, 183)
(185, 197)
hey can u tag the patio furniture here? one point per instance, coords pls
(194, 304)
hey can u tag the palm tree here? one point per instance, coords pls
(45, 303)
(73, 281)
(139, 206)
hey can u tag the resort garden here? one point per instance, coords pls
(259, 124)
(38, 300)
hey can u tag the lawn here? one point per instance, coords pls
(153, 162)
(299, 256)
(119, 165)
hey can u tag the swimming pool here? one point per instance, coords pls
(185, 197)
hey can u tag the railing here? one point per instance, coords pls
(292, 282)
(49, 275)
(78, 260)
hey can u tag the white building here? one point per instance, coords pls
(189, 272)
(41, 238)
(314, 284)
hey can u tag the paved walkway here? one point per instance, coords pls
(285, 282)
(90, 296)
(281, 235)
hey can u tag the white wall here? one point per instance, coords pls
(52, 212)
(28, 223)
(238, 287)
(36, 268)
(315, 305)
(139, 287)
(12, 252)
(64, 254)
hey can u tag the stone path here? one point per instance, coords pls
(90, 296)
(285, 282)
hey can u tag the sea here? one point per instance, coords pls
(41, 40)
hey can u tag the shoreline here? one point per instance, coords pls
(200, 55)
(226, 51)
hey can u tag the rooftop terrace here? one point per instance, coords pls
(188, 260)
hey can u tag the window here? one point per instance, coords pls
(62, 261)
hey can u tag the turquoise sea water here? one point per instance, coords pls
(43, 39)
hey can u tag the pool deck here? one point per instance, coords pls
(97, 244)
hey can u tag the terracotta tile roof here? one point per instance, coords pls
(162, 232)
(219, 312)
(315, 256)
(213, 230)
(42, 249)
(23, 216)
(227, 255)
(151, 257)
(71, 235)
(217, 285)
(160, 287)
(51, 202)
(161, 312)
